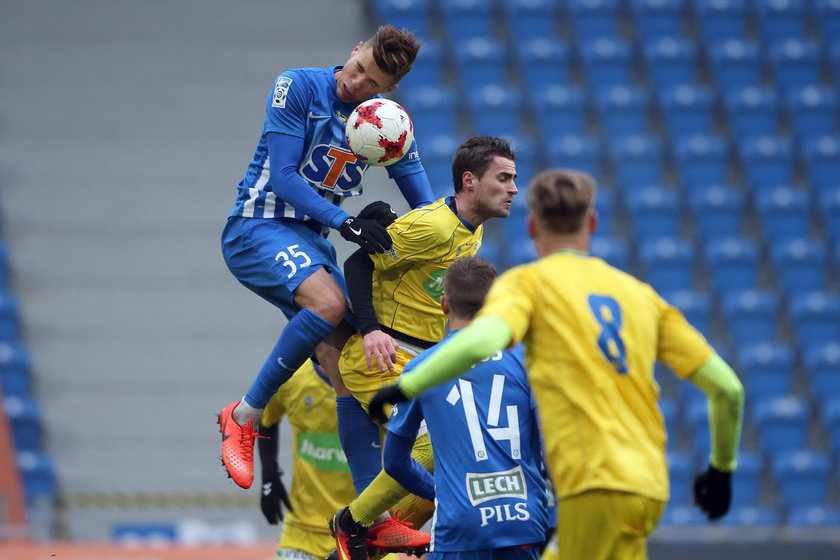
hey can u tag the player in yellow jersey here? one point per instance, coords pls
(321, 480)
(592, 335)
(396, 299)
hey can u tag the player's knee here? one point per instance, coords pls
(331, 307)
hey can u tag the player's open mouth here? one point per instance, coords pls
(345, 91)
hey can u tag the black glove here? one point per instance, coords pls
(369, 234)
(274, 496)
(713, 492)
(390, 394)
(379, 211)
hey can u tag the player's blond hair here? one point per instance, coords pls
(466, 284)
(394, 50)
(560, 199)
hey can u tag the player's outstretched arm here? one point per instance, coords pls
(416, 189)
(398, 463)
(713, 488)
(274, 495)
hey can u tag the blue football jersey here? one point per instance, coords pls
(303, 103)
(489, 489)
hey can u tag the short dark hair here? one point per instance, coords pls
(560, 199)
(466, 284)
(476, 154)
(394, 50)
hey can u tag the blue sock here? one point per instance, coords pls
(296, 343)
(360, 441)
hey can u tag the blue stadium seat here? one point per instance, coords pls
(4, 266)
(668, 264)
(801, 264)
(831, 421)
(671, 417)
(531, 18)
(622, 110)
(751, 316)
(766, 368)
(677, 515)
(593, 19)
(653, 212)
(813, 516)
(9, 317)
(26, 421)
(821, 156)
(681, 473)
(480, 61)
(814, 315)
(746, 480)
(514, 227)
(605, 206)
(495, 110)
(834, 59)
(697, 422)
(637, 161)
(607, 62)
(753, 111)
(785, 214)
(527, 158)
(437, 152)
(802, 478)
(466, 19)
(781, 424)
(520, 253)
(733, 264)
(543, 62)
(696, 306)
(404, 14)
(687, 110)
(702, 160)
(558, 110)
(822, 366)
(38, 473)
(721, 19)
(781, 20)
(751, 516)
(670, 61)
(614, 251)
(428, 67)
(573, 151)
(15, 370)
(828, 18)
(735, 64)
(433, 111)
(657, 18)
(767, 161)
(795, 63)
(813, 111)
(718, 210)
(828, 203)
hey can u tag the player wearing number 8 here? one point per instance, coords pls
(592, 335)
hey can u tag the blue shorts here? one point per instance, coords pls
(511, 553)
(273, 257)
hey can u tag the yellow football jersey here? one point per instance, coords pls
(592, 335)
(321, 481)
(408, 279)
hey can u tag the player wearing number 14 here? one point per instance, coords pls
(592, 335)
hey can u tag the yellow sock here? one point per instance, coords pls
(385, 493)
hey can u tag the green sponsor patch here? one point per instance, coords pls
(323, 451)
(434, 285)
(489, 486)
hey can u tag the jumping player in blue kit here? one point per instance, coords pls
(275, 238)
(489, 491)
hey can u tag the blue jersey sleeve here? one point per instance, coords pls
(284, 153)
(400, 466)
(288, 103)
(416, 189)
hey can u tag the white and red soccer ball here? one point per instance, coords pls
(379, 132)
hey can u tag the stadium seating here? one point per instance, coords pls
(407, 14)
(669, 61)
(657, 18)
(733, 264)
(573, 151)
(543, 61)
(751, 516)
(813, 516)
(822, 367)
(821, 155)
(622, 110)
(814, 315)
(15, 370)
(802, 478)
(767, 161)
(593, 19)
(830, 415)
(766, 369)
(558, 111)
(494, 110)
(718, 211)
(828, 18)
(681, 472)
(687, 110)
(751, 315)
(696, 306)
(428, 67)
(753, 111)
(720, 19)
(38, 473)
(25, 418)
(735, 64)
(668, 263)
(607, 62)
(653, 211)
(781, 20)
(438, 108)
(813, 111)
(531, 18)
(703, 160)
(801, 264)
(746, 481)
(614, 251)
(480, 61)
(637, 161)
(795, 63)
(782, 424)
(785, 213)
(466, 19)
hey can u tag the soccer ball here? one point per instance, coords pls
(379, 132)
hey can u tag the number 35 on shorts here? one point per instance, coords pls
(293, 259)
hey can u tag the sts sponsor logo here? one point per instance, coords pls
(335, 169)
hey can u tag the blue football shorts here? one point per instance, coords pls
(273, 257)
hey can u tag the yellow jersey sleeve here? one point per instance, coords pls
(512, 298)
(680, 347)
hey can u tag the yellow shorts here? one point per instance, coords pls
(355, 374)
(606, 525)
(316, 543)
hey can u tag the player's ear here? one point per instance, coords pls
(531, 226)
(391, 88)
(444, 305)
(468, 179)
(593, 221)
(357, 48)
